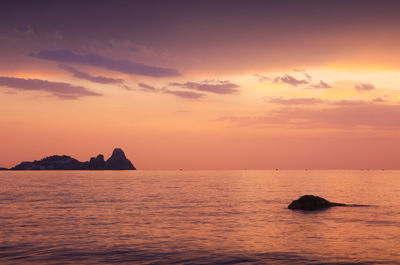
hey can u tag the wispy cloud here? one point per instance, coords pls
(178, 93)
(86, 76)
(217, 87)
(184, 94)
(148, 88)
(308, 77)
(24, 30)
(345, 102)
(299, 70)
(93, 59)
(296, 101)
(58, 89)
(379, 100)
(364, 87)
(341, 116)
(297, 81)
(321, 84)
(262, 78)
(127, 87)
(123, 44)
(312, 101)
(288, 79)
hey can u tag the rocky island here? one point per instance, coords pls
(117, 161)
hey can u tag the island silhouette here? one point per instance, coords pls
(117, 161)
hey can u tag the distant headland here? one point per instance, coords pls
(117, 161)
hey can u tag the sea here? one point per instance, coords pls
(198, 217)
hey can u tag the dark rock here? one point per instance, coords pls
(97, 163)
(118, 161)
(52, 163)
(3, 168)
(311, 202)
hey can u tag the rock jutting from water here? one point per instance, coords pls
(311, 203)
(117, 161)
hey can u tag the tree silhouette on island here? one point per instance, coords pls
(117, 161)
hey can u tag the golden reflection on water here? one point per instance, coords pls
(197, 217)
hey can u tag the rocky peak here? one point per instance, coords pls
(118, 161)
(97, 163)
(118, 153)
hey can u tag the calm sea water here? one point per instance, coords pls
(197, 217)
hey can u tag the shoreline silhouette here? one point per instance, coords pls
(117, 161)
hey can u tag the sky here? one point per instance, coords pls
(202, 84)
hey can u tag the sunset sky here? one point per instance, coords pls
(202, 84)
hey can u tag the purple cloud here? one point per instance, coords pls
(96, 79)
(348, 102)
(309, 78)
(184, 94)
(24, 30)
(379, 100)
(218, 87)
(299, 70)
(321, 84)
(364, 87)
(296, 101)
(288, 79)
(346, 116)
(123, 66)
(127, 87)
(148, 88)
(310, 101)
(58, 89)
(262, 78)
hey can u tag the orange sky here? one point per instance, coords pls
(200, 90)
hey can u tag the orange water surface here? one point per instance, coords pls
(197, 217)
